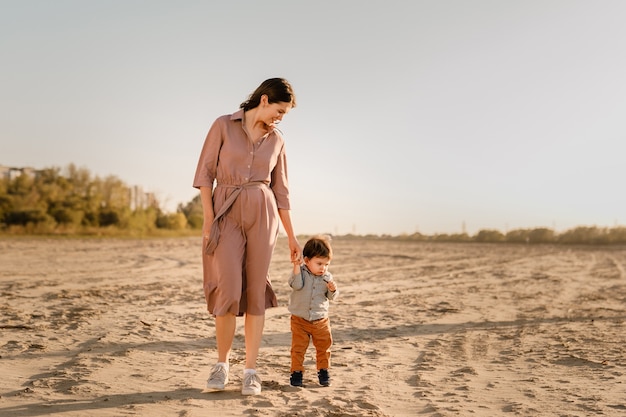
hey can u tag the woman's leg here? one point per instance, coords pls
(224, 334)
(225, 273)
(254, 333)
(260, 223)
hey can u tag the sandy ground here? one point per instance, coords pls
(119, 328)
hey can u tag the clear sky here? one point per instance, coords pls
(429, 116)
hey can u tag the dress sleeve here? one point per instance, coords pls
(280, 183)
(207, 163)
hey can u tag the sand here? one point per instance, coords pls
(118, 327)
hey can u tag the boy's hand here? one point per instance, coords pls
(331, 285)
(296, 265)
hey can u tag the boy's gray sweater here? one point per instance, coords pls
(310, 296)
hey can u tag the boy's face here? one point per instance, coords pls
(317, 265)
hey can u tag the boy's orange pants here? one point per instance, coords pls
(301, 332)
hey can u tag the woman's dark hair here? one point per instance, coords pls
(318, 246)
(277, 90)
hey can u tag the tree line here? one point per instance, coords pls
(581, 235)
(72, 200)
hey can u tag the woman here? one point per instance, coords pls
(244, 154)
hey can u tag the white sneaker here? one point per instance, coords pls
(251, 384)
(218, 378)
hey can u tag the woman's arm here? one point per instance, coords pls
(294, 247)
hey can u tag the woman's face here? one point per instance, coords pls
(273, 113)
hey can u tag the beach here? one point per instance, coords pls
(118, 327)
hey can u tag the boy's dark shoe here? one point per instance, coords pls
(296, 379)
(324, 377)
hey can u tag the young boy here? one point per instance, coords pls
(312, 288)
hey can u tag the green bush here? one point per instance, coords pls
(489, 236)
(193, 212)
(108, 217)
(172, 221)
(25, 217)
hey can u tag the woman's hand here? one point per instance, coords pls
(295, 251)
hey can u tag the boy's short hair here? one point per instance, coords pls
(318, 246)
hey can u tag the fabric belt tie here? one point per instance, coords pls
(214, 235)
